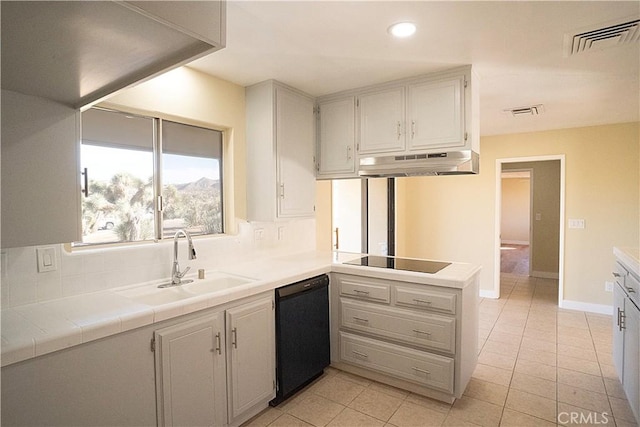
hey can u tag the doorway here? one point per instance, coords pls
(515, 224)
(546, 217)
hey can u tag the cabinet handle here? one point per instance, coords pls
(413, 129)
(85, 172)
(618, 319)
(398, 127)
(357, 353)
(218, 346)
(360, 319)
(234, 338)
(282, 191)
(359, 292)
(421, 301)
(424, 371)
(418, 331)
(616, 274)
(631, 290)
(337, 230)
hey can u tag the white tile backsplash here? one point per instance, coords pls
(91, 270)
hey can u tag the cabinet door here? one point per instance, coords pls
(190, 373)
(251, 344)
(295, 149)
(631, 372)
(40, 171)
(618, 332)
(336, 145)
(382, 121)
(435, 117)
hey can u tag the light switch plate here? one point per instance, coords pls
(46, 259)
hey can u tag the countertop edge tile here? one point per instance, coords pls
(84, 322)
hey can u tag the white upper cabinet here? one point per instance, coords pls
(336, 155)
(40, 171)
(430, 113)
(435, 117)
(280, 153)
(382, 124)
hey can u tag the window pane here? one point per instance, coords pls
(117, 151)
(192, 179)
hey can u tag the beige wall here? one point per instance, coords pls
(196, 98)
(454, 217)
(516, 204)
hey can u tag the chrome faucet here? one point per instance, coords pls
(176, 275)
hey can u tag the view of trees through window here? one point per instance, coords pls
(117, 151)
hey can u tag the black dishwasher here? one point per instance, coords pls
(302, 334)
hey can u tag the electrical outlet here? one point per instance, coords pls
(608, 286)
(576, 223)
(280, 233)
(258, 234)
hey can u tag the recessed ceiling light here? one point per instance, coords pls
(402, 29)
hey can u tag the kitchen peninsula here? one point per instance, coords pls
(95, 348)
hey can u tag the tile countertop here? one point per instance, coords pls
(36, 329)
(630, 257)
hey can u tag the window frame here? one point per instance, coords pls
(157, 160)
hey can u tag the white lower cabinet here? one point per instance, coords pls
(217, 369)
(190, 373)
(406, 363)
(251, 355)
(626, 335)
(422, 338)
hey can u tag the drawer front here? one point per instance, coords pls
(425, 299)
(426, 330)
(412, 365)
(360, 287)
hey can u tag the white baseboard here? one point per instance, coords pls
(586, 306)
(545, 274)
(485, 293)
(515, 242)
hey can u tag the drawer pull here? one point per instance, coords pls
(422, 301)
(418, 331)
(424, 371)
(357, 353)
(360, 319)
(631, 290)
(359, 292)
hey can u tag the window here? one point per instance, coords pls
(148, 177)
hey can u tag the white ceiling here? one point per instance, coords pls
(516, 47)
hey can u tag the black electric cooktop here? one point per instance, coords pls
(418, 265)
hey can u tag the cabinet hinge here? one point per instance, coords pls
(153, 344)
(273, 305)
(316, 109)
(465, 83)
(466, 136)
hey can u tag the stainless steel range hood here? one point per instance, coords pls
(464, 162)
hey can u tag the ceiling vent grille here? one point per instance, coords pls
(532, 110)
(607, 35)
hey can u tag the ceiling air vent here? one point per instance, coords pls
(607, 35)
(532, 110)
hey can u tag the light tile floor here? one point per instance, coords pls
(538, 366)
